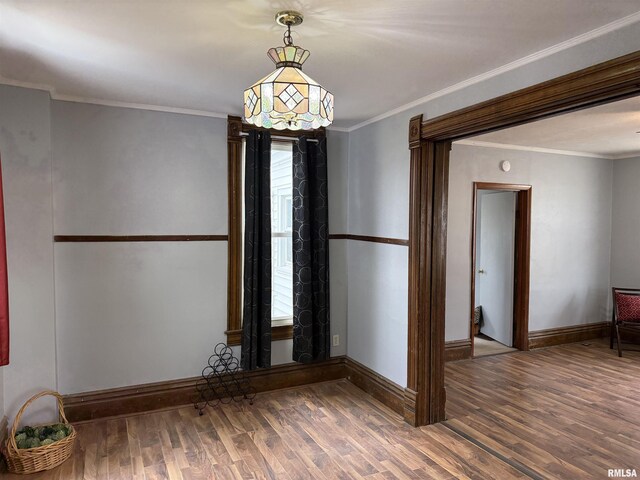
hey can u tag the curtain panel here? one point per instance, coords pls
(311, 329)
(256, 316)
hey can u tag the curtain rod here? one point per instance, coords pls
(281, 138)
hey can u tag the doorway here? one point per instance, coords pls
(494, 272)
(500, 264)
(429, 145)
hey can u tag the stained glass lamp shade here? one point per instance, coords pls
(287, 98)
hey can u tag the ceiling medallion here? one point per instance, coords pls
(287, 98)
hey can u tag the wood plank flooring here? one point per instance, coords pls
(571, 411)
(564, 412)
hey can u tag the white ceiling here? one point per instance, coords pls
(608, 131)
(374, 55)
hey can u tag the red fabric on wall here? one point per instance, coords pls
(4, 285)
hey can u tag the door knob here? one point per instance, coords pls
(481, 271)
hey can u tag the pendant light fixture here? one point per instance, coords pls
(287, 98)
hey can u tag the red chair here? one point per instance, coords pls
(626, 312)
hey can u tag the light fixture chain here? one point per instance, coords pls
(288, 39)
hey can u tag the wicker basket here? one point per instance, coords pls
(31, 460)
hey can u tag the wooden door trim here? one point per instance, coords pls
(602, 83)
(429, 144)
(234, 252)
(522, 264)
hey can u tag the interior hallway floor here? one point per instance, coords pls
(483, 345)
(563, 412)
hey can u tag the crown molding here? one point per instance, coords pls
(623, 156)
(32, 85)
(138, 106)
(572, 42)
(108, 103)
(113, 103)
(338, 129)
(523, 148)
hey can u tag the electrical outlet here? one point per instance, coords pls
(336, 340)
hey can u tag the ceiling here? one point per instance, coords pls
(374, 55)
(609, 131)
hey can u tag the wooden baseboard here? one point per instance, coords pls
(409, 406)
(461, 349)
(379, 387)
(457, 350)
(572, 334)
(155, 396)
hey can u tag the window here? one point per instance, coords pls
(281, 237)
(281, 244)
(282, 220)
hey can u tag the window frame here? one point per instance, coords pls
(235, 130)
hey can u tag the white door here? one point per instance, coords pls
(495, 234)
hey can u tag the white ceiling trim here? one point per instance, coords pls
(139, 106)
(622, 156)
(17, 83)
(522, 148)
(109, 103)
(610, 27)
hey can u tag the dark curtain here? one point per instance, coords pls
(310, 252)
(256, 316)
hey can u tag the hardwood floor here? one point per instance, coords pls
(563, 412)
(571, 411)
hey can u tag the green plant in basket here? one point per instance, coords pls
(33, 437)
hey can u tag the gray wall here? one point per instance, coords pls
(379, 202)
(377, 275)
(570, 234)
(25, 144)
(156, 308)
(337, 155)
(120, 171)
(124, 313)
(625, 249)
(377, 304)
(131, 313)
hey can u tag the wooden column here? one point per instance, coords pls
(438, 277)
(425, 395)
